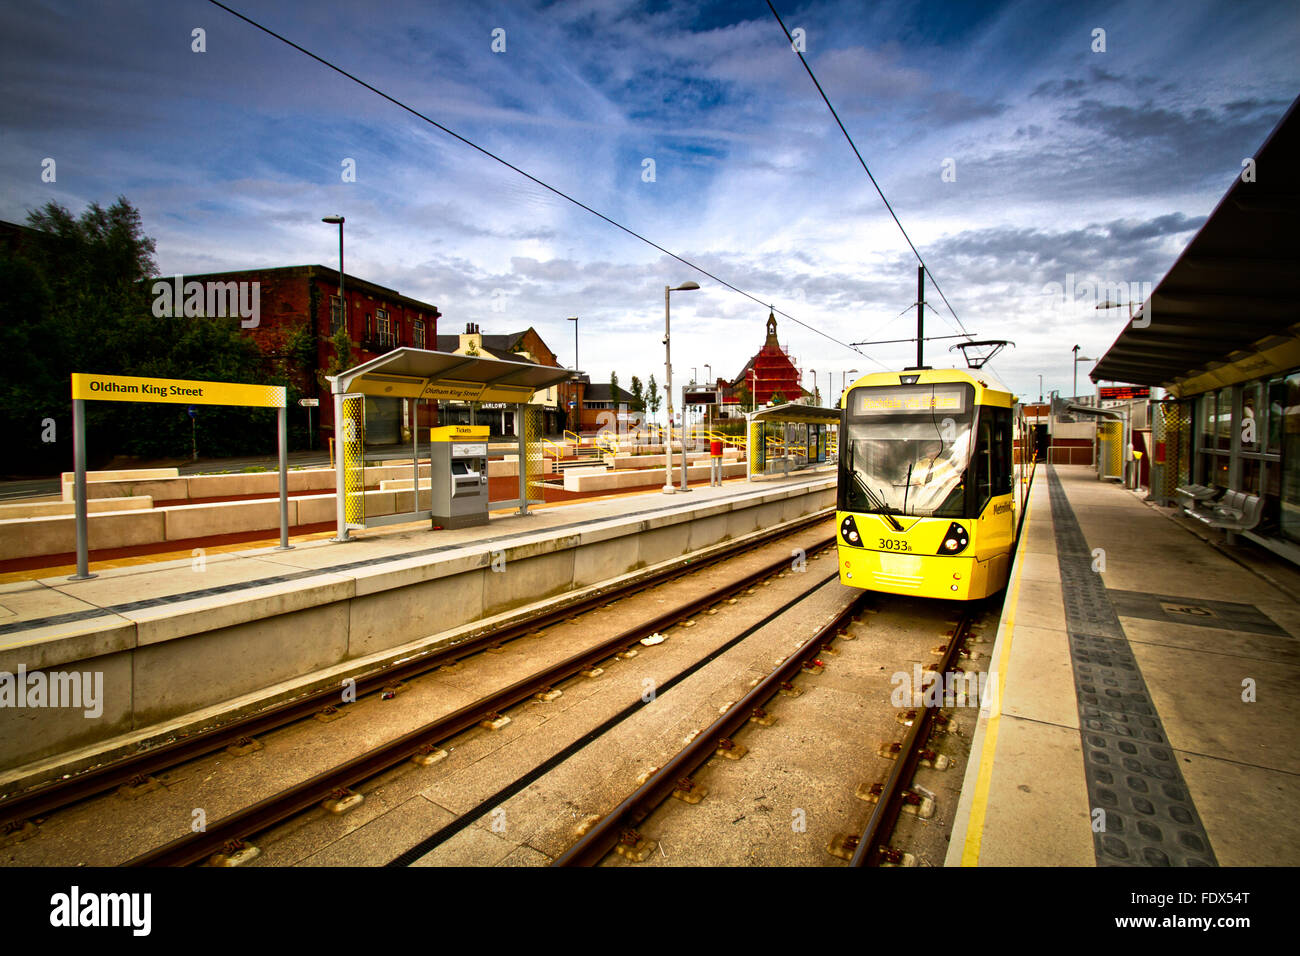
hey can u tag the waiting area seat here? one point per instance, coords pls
(1235, 511)
(1189, 496)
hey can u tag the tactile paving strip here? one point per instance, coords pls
(1132, 772)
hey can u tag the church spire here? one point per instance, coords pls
(771, 330)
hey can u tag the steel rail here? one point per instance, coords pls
(592, 847)
(193, 847)
(25, 805)
(873, 843)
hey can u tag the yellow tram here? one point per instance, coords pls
(929, 486)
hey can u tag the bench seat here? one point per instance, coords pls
(1235, 511)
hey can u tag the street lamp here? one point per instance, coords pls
(708, 409)
(844, 383)
(668, 371)
(1077, 359)
(343, 303)
(814, 394)
(339, 481)
(577, 400)
(1040, 389)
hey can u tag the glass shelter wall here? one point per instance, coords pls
(1248, 440)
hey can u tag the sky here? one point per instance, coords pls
(1023, 151)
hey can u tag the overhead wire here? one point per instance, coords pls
(547, 186)
(865, 169)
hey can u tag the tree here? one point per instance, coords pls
(341, 361)
(744, 397)
(652, 397)
(638, 395)
(613, 389)
(778, 398)
(76, 295)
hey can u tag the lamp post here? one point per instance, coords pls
(1040, 389)
(1077, 359)
(577, 401)
(844, 383)
(814, 394)
(668, 372)
(339, 478)
(338, 399)
(343, 302)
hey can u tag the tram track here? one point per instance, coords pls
(17, 808)
(293, 812)
(621, 828)
(228, 833)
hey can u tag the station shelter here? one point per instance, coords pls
(1221, 334)
(790, 437)
(421, 375)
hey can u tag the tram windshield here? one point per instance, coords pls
(907, 449)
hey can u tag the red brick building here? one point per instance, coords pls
(770, 371)
(299, 312)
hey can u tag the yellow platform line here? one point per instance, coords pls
(979, 803)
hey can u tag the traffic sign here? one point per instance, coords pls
(309, 402)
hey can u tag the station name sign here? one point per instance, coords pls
(127, 388)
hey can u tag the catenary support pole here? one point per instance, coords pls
(340, 489)
(283, 430)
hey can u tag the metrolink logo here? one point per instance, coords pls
(55, 689)
(197, 300)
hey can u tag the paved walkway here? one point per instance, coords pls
(1147, 714)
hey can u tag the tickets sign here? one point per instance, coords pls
(455, 432)
(175, 391)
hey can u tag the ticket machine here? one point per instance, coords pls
(459, 474)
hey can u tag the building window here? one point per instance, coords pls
(418, 333)
(384, 329)
(336, 313)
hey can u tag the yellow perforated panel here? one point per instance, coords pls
(533, 452)
(1172, 425)
(354, 462)
(1110, 437)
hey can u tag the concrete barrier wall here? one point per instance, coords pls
(171, 667)
(127, 474)
(43, 509)
(595, 479)
(57, 534)
(622, 461)
(226, 486)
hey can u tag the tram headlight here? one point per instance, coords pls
(955, 540)
(849, 531)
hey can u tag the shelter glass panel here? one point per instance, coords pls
(1277, 405)
(1289, 513)
(1252, 417)
(1223, 421)
(1205, 421)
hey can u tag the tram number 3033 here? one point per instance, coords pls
(894, 544)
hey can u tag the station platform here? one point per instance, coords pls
(178, 644)
(1141, 708)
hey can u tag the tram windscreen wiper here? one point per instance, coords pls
(877, 504)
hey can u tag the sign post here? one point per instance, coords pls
(309, 404)
(127, 388)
